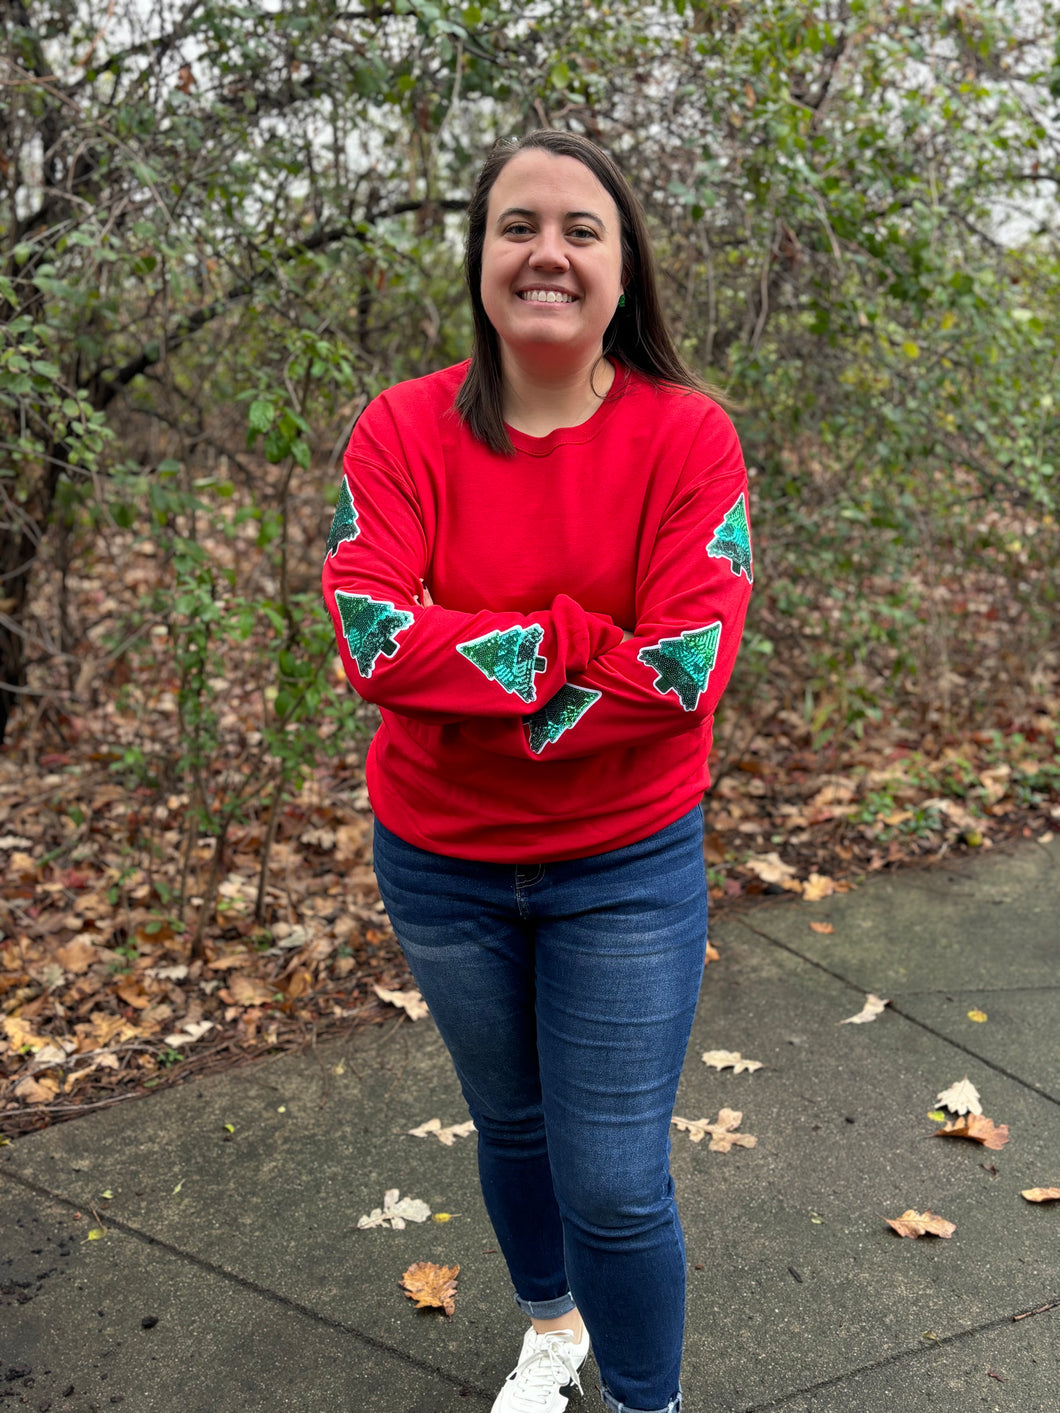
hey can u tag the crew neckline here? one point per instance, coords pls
(584, 431)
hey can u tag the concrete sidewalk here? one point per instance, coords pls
(232, 1275)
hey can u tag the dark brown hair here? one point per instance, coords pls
(637, 335)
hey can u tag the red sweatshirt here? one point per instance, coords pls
(517, 725)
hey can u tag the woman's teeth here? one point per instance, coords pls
(546, 296)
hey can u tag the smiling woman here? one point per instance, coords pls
(539, 569)
(552, 276)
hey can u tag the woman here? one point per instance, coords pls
(539, 570)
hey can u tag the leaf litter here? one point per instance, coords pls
(977, 1127)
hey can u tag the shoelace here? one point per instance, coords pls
(547, 1367)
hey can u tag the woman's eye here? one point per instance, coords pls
(583, 233)
(517, 228)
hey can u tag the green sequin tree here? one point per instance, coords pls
(684, 664)
(370, 627)
(509, 658)
(344, 526)
(559, 714)
(732, 540)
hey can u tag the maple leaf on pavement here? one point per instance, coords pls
(961, 1097)
(921, 1224)
(723, 1059)
(429, 1285)
(977, 1127)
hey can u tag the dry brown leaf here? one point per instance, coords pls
(1041, 1194)
(723, 1059)
(722, 1135)
(132, 993)
(977, 1127)
(921, 1224)
(39, 1089)
(822, 927)
(429, 1285)
(20, 1034)
(871, 1009)
(247, 991)
(818, 886)
(233, 959)
(409, 1001)
(20, 866)
(78, 955)
(713, 955)
(770, 868)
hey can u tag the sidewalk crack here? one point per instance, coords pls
(897, 1009)
(900, 1357)
(465, 1386)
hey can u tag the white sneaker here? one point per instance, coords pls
(548, 1363)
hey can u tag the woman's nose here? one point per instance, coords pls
(547, 252)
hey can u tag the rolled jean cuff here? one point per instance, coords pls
(546, 1309)
(612, 1403)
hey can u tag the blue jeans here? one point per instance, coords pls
(565, 994)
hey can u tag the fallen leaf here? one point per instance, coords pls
(818, 886)
(429, 1285)
(78, 955)
(770, 868)
(979, 1016)
(133, 994)
(96, 1234)
(823, 927)
(448, 1136)
(937, 1115)
(177, 972)
(36, 1091)
(722, 1135)
(409, 1001)
(723, 1059)
(394, 1213)
(249, 991)
(977, 1127)
(1041, 1194)
(713, 955)
(921, 1224)
(871, 1009)
(960, 1098)
(21, 1035)
(191, 1031)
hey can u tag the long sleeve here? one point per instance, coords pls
(690, 608)
(433, 664)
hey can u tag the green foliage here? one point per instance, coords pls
(248, 223)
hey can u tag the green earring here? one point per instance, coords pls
(622, 300)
